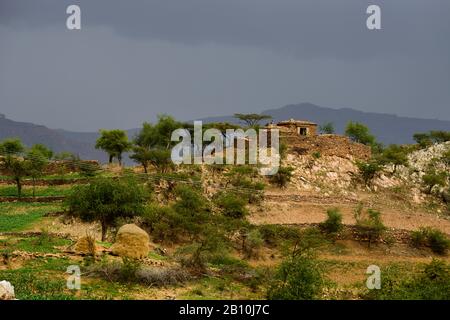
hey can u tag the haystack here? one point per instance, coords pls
(132, 242)
(85, 245)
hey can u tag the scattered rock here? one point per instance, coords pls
(6, 291)
(132, 242)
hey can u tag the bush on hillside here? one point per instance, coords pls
(232, 205)
(369, 225)
(298, 278)
(333, 223)
(282, 177)
(432, 238)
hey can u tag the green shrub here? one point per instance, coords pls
(395, 155)
(231, 205)
(432, 238)
(298, 278)
(243, 178)
(427, 139)
(333, 224)
(249, 190)
(128, 269)
(282, 177)
(360, 133)
(327, 128)
(368, 170)
(446, 157)
(88, 170)
(252, 242)
(432, 283)
(434, 178)
(163, 223)
(205, 247)
(274, 234)
(369, 224)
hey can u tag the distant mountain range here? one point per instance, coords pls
(386, 127)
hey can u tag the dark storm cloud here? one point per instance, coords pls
(307, 28)
(195, 58)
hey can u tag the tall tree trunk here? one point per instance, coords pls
(104, 231)
(119, 157)
(19, 187)
(34, 187)
(111, 158)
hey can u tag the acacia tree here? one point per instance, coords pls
(36, 160)
(396, 155)
(11, 161)
(359, 133)
(327, 128)
(152, 143)
(368, 170)
(43, 150)
(114, 142)
(252, 119)
(431, 137)
(104, 200)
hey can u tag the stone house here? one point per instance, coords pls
(301, 137)
(293, 127)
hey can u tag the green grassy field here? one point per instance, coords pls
(18, 216)
(27, 191)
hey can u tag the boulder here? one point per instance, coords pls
(6, 291)
(132, 242)
(83, 245)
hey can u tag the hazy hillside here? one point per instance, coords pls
(386, 127)
(57, 140)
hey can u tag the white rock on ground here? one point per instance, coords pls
(6, 291)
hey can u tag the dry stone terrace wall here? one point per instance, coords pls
(66, 166)
(327, 145)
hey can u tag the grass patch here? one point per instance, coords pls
(217, 288)
(153, 255)
(27, 191)
(19, 216)
(41, 244)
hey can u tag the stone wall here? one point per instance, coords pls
(66, 166)
(326, 145)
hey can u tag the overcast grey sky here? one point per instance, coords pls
(196, 58)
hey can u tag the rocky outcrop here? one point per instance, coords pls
(328, 145)
(313, 174)
(420, 161)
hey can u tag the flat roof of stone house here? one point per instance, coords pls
(296, 122)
